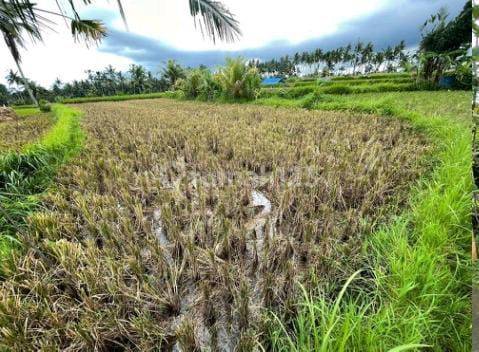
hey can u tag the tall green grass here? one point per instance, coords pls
(420, 265)
(24, 176)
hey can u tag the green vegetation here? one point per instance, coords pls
(374, 76)
(25, 175)
(341, 89)
(44, 106)
(351, 81)
(444, 47)
(24, 111)
(238, 81)
(119, 97)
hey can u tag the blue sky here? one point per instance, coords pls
(163, 29)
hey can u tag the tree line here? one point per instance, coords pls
(106, 82)
(358, 58)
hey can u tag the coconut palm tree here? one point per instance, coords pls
(23, 17)
(172, 72)
(15, 21)
(378, 60)
(356, 55)
(366, 54)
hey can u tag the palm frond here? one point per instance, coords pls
(12, 45)
(216, 20)
(89, 31)
(122, 13)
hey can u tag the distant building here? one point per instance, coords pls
(447, 82)
(272, 81)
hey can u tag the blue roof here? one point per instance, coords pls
(271, 80)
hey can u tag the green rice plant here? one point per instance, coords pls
(26, 111)
(116, 98)
(337, 89)
(287, 92)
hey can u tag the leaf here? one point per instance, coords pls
(216, 20)
(88, 30)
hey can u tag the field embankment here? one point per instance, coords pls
(27, 169)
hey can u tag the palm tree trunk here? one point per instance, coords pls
(25, 84)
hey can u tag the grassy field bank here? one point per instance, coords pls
(26, 173)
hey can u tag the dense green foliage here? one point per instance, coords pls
(44, 106)
(444, 47)
(237, 80)
(200, 83)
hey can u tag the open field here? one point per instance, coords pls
(17, 133)
(181, 221)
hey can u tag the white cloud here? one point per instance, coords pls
(262, 21)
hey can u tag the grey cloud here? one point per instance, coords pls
(383, 28)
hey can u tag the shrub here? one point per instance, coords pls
(238, 81)
(44, 106)
(199, 83)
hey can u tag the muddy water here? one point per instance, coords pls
(225, 338)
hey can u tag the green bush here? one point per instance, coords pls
(44, 106)
(238, 81)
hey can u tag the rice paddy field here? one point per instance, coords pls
(191, 226)
(15, 134)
